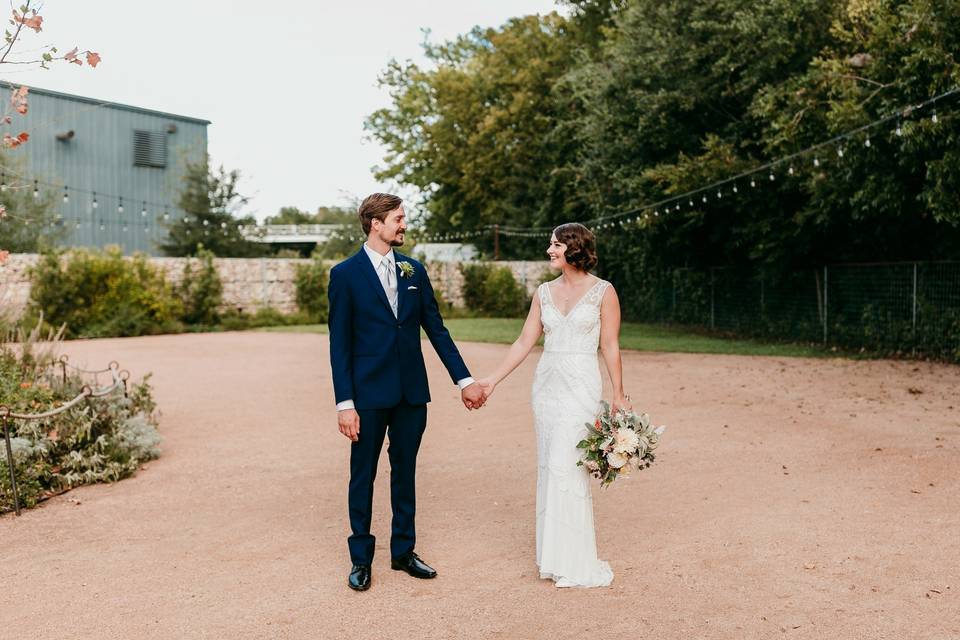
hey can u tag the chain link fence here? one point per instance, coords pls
(892, 308)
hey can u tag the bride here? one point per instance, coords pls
(576, 313)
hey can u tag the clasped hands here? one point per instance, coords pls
(475, 395)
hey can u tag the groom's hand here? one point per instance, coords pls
(349, 422)
(472, 396)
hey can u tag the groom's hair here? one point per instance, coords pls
(581, 244)
(376, 205)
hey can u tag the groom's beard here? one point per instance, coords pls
(397, 241)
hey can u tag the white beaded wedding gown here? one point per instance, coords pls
(566, 396)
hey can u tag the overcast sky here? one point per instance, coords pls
(286, 85)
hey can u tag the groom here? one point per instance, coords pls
(379, 299)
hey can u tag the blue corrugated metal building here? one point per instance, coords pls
(114, 171)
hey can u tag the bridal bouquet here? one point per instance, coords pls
(618, 443)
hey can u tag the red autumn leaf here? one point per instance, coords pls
(93, 59)
(4, 255)
(34, 22)
(71, 55)
(22, 108)
(23, 137)
(9, 141)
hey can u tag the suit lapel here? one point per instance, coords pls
(366, 268)
(401, 286)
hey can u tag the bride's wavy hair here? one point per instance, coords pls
(581, 244)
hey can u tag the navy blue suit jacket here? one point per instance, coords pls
(375, 357)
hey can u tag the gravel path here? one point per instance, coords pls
(792, 498)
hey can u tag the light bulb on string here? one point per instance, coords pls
(36, 189)
(66, 195)
(124, 228)
(839, 152)
(3, 182)
(120, 205)
(656, 214)
(772, 177)
(94, 203)
(867, 142)
(899, 129)
(166, 216)
(753, 183)
(816, 161)
(735, 190)
(143, 211)
(704, 198)
(102, 226)
(933, 118)
(719, 194)
(790, 170)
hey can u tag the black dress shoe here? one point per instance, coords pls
(359, 579)
(412, 564)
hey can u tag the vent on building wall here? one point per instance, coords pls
(149, 148)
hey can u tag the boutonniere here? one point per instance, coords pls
(406, 269)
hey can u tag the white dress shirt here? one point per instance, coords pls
(390, 258)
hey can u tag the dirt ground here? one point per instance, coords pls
(792, 498)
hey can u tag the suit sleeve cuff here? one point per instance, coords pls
(346, 404)
(465, 382)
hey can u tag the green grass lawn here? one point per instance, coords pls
(634, 336)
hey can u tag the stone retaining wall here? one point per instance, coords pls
(252, 283)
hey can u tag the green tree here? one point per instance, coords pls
(290, 215)
(211, 202)
(472, 130)
(27, 223)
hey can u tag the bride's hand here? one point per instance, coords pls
(487, 386)
(621, 403)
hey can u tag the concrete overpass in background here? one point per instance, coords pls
(290, 233)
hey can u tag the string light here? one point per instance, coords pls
(36, 190)
(120, 206)
(143, 211)
(66, 195)
(3, 182)
(94, 203)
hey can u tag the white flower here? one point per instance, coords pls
(615, 460)
(626, 440)
(591, 465)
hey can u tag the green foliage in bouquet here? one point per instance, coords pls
(98, 440)
(617, 443)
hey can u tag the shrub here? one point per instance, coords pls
(100, 440)
(99, 293)
(492, 291)
(264, 317)
(311, 282)
(201, 292)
